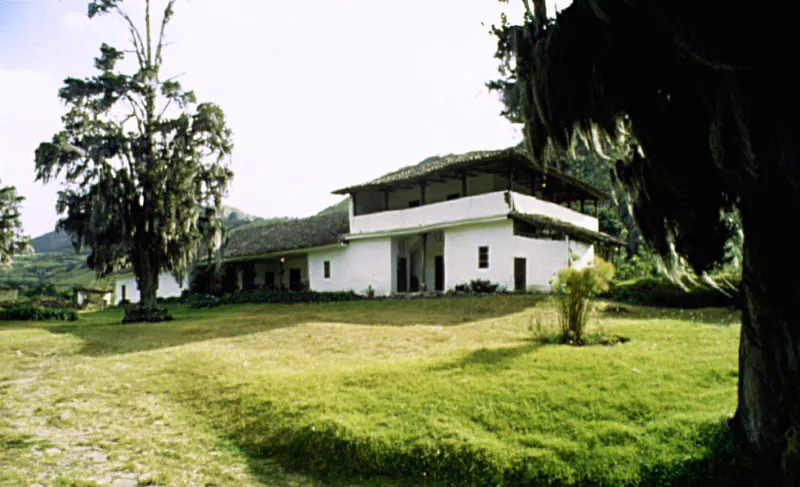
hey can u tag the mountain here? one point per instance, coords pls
(51, 242)
(340, 207)
(59, 242)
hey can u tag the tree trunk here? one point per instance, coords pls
(148, 288)
(147, 280)
(767, 421)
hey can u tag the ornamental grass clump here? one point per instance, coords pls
(574, 289)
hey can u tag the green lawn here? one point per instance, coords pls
(443, 391)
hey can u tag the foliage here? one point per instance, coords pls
(142, 160)
(668, 294)
(34, 274)
(36, 313)
(12, 241)
(270, 296)
(375, 393)
(477, 286)
(573, 289)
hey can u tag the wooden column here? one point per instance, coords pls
(422, 193)
(355, 207)
(423, 285)
(385, 199)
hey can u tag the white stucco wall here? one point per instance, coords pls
(462, 209)
(354, 268)
(461, 253)
(168, 287)
(528, 204)
(544, 258)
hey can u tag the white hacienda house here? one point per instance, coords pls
(448, 220)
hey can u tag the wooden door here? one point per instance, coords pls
(402, 275)
(438, 264)
(295, 283)
(520, 280)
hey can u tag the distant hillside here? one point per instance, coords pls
(51, 242)
(59, 242)
(64, 269)
(340, 207)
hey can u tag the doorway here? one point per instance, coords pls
(295, 280)
(520, 279)
(438, 264)
(402, 275)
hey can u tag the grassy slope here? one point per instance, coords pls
(452, 390)
(64, 269)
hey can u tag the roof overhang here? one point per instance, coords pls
(451, 167)
(574, 231)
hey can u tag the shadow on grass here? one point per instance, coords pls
(103, 334)
(491, 359)
(330, 452)
(708, 316)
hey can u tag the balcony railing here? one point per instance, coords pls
(464, 210)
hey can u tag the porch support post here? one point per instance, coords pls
(386, 199)
(422, 193)
(424, 286)
(355, 207)
(464, 184)
(510, 177)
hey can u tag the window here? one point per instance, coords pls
(483, 257)
(413, 204)
(327, 269)
(453, 196)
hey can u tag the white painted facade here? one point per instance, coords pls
(168, 287)
(426, 231)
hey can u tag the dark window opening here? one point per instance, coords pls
(327, 269)
(453, 196)
(483, 257)
(413, 204)
(269, 280)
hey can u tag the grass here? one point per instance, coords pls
(441, 391)
(64, 269)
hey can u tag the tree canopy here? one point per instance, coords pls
(145, 163)
(12, 241)
(697, 103)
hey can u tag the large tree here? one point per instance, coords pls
(145, 164)
(12, 241)
(700, 103)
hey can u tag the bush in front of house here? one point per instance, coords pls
(271, 297)
(26, 312)
(573, 289)
(660, 292)
(477, 286)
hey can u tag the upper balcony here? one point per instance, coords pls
(483, 207)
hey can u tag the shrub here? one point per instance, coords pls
(36, 313)
(573, 289)
(482, 286)
(462, 288)
(666, 294)
(271, 297)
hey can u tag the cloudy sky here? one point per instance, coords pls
(319, 94)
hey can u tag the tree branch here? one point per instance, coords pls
(167, 15)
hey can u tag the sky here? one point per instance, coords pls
(319, 94)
